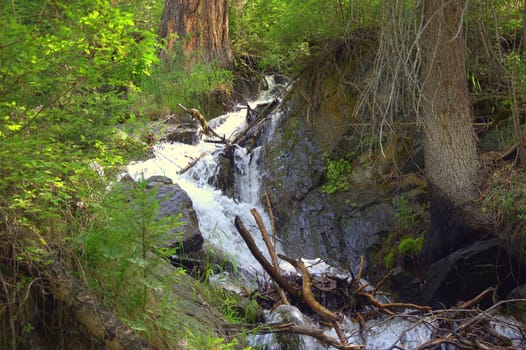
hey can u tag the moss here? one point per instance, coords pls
(410, 247)
(390, 259)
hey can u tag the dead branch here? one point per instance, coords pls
(307, 295)
(385, 307)
(261, 116)
(9, 302)
(245, 234)
(470, 303)
(382, 281)
(292, 328)
(271, 250)
(191, 164)
(199, 117)
(272, 220)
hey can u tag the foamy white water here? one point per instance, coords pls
(215, 211)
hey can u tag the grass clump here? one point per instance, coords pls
(337, 178)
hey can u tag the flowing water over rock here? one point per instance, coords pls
(216, 210)
(218, 200)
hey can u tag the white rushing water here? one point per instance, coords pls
(216, 211)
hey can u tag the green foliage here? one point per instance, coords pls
(119, 257)
(507, 201)
(67, 73)
(398, 244)
(173, 82)
(337, 178)
(281, 32)
(410, 247)
(405, 214)
(390, 259)
(212, 343)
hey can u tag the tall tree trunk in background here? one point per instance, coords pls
(200, 27)
(451, 157)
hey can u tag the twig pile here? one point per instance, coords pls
(462, 327)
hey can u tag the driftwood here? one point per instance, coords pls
(473, 328)
(271, 251)
(255, 125)
(304, 295)
(465, 326)
(307, 295)
(309, 298)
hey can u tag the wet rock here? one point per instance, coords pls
(157, 180)
(462, 275)
(224, 175)
(339, 227)
(177, 129)
(173, 201)
(183, 133)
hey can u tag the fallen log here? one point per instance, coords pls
(271, 250)
(98, 320)
(275, 275)
(199, 117)
(307, 295)
(64, 287)
(191, 164)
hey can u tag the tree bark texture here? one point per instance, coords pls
(451, 156)
(200, 27)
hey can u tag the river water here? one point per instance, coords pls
(216, 213)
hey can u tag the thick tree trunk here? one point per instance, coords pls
(201, 27)
(452, 162)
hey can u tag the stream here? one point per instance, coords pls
(216, 213)
(215, 210)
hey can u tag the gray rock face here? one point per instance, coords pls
(173, 201)
(338, 227)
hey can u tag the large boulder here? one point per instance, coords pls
(174, 201)
(339, 227)
(462, 275)
(175, 128)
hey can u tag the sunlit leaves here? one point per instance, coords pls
(67, 73)
(281, 32)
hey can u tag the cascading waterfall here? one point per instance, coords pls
(216, 213)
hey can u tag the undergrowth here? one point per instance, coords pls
(118, 254)
(173, 82)
(506, 200)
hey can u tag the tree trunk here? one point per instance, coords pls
(200, 27)
(451, 156)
